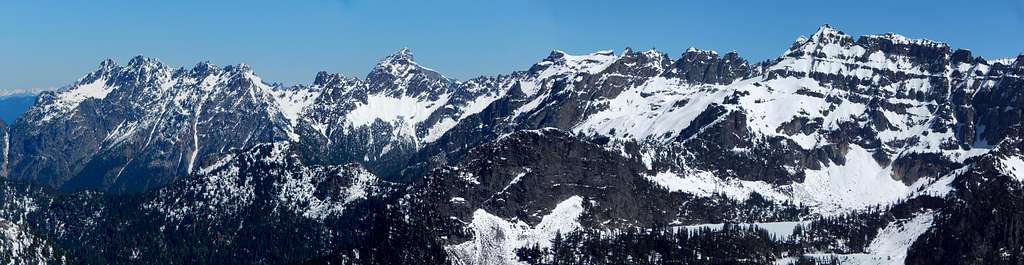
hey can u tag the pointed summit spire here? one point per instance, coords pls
(555, 55)
(827, 34)
(143, 62)
(399, 61)
(403, 54)
(241, 68)
(138, 60)
(397, 74)
(396, 61)
(106, 67)
(825, 28)
(204, 67)
(108, 63)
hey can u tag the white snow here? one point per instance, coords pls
(20, 246)
(937, 187)
(297, 192)
(895, 239)
(495, 239)
(859, 183)
(516, 179)
(439, 129)
(1003, 61)
(67, 100)
(705, 184)
(97, 89)
(404, 111)
(889, 247)
(291, 102)
(632, 115)
(588, 63)
(1013, 166)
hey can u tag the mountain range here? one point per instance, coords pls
(877, 149)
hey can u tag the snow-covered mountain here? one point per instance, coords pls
(883, 135)
(138, 126)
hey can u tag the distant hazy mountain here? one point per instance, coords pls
(12, 106)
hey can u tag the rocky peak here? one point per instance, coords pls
(325, 79)
(106, 68)
(647, 63)
(825, 42)
(141, 72)
(706, 67)
(553, 58)
(933, 55)
(897, 39)
(143, 63)
(335, 86)
(241, 71)
(560, 63)
(234, 76)
(827, 34)
(833, 57)
(400, 56)
(141, 60)
(692, 54)
(962, 56)
(1002, 62)
(398, 74)
(397, 64)
(204, 68)
(107, 64)
(649, 55)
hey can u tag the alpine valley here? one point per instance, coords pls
(876, 149)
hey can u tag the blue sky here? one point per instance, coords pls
(52, 43)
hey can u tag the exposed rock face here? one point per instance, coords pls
(525, 175)
(705, 67)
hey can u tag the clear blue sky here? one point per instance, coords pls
(51, 43)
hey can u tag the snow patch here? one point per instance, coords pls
(292, 101)
(67, 100)
(660, 107)
(1013, 166)
(405, 112)
(706, 184)
(495, 239)
(895, 239)
(859, 183)
(889, 247)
